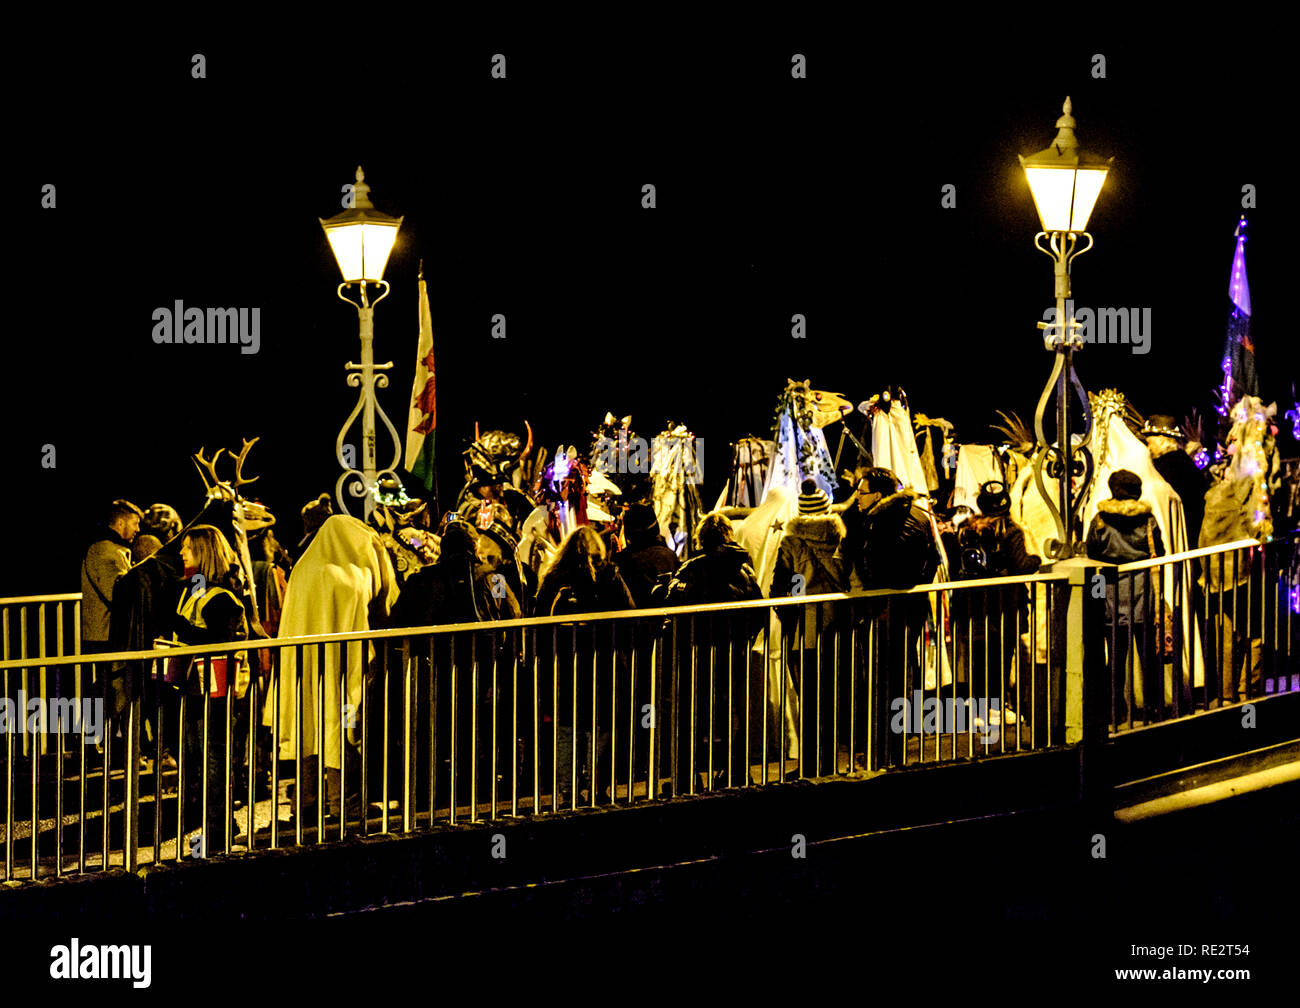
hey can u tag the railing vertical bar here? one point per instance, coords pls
(433, 733)
(385, 767)
(299, 773)
(492, 759)
(694, 702)
(473, 728)
(768, 620)
(277, 659)
(555, 718)
(320, 681)
(453, 675)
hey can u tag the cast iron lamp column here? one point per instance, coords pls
(362, 238)
(1065, 183)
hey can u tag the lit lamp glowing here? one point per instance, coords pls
(362, 239)
(1065, 183)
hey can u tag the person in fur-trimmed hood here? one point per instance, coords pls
(1125, 530)
(897, 540)
(809, 561)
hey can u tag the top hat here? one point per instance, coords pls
(993, 499)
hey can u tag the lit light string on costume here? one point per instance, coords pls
(1224, 393)
(1249, 452)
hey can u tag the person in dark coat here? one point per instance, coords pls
(1167, 443)
(809, 562)
(898, 544)
(1125, 531)
(582, 580)
(142, 612)
(899, 550)
(457, 589)
(721, 572)
(988, 621)
(646, 559)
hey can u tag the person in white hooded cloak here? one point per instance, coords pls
(343, 583)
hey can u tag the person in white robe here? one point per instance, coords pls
(343, 583)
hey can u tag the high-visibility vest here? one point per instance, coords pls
(213, 668)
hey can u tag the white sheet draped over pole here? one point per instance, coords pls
(893, 446)
(976, 465)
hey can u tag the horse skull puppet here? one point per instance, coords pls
(236, 516)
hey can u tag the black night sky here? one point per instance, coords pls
(523, 197)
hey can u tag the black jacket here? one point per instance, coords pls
(990, 547)
(453, 590)
(144, 604)
(1180, 472)
(725, 575)
(898, 547)
(642, 564)
(1119, 535)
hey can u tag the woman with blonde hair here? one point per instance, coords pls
(210, 611)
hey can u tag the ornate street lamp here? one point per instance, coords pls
(361, 238)
(1065, 183)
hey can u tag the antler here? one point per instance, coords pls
(239, 464)
(208, 465)
(529, 446)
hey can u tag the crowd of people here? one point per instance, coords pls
(146, 582)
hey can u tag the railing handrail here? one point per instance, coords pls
(1135, 565)
(1186, 555)
(26, 599)
(499, 625)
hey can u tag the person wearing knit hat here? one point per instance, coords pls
(1123, 531)
(813, 500)
(1125, 485)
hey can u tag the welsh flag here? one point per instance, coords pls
(422, 423)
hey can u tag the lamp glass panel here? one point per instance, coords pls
(1086, 189)
(1052, 189)
(346, 243)
(376, 242)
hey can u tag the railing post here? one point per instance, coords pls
(131, 805)
(1084, 693)
(1087, 686)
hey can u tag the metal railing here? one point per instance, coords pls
(1202, 629)
(400, 729)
